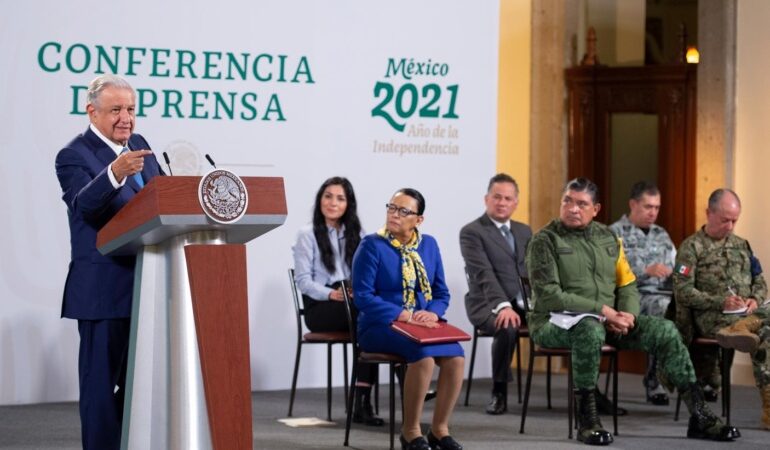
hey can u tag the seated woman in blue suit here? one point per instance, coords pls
(398, 275)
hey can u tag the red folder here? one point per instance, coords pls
(423, 335)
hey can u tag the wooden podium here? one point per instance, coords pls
(188, 383)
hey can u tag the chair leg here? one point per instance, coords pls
(518, 365)
(614, 364)
(392, 399)
(377, 392)
(329, 382)
(570, 399)
(527, 388)
(345, 369)
(548, 381)
(473, 362)
(294, 378)
(401, 368)
(351, 393)
(678, 405)
(607, 378)
(727, 364)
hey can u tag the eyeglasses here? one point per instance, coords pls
(402, 212)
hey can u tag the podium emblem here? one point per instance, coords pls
(223, 196)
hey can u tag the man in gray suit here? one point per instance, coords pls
(493, 248)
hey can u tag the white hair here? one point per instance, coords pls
(100, 83)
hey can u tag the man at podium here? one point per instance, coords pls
(99, 172)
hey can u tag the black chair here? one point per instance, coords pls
(726, 356)
(684, 318)
(477, 333)
(536, 351)
(327, 338)
(394, 362)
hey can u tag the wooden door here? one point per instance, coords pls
(596, 92)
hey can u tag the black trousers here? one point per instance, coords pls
(322, 316)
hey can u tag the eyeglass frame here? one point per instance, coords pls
(402, 212)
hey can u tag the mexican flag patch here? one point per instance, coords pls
(681, 269)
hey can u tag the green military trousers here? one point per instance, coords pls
(654, 335)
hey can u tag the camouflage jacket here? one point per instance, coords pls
(578, 270)
(643, 250)
(706, 272)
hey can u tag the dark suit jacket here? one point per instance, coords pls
(492, 268)
(97, 286)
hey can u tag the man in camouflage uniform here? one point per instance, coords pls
(578, 265)
(716, 272)
(651, 255)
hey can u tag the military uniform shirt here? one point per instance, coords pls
(578, 270)
(708, 270)
(643, 250)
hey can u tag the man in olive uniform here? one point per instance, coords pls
(717, 277)
(578, 265)
(650, 254)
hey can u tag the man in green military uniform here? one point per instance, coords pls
(578, 265)
(717, 278)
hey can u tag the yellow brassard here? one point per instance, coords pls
(623, 274)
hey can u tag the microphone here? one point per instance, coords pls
(168, 163)
(211, 161)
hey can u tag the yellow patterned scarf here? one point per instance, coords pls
(412, 268)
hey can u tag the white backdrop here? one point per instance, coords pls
(332, 54)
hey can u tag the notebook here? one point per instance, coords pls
(444, 333)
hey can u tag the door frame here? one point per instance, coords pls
(596, 92)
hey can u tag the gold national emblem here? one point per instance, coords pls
(223, 196)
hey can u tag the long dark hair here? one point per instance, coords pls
(349, 219)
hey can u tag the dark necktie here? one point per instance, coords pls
(509, 237)
(512, 243)
(137, 176)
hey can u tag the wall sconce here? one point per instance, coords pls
(692, 56)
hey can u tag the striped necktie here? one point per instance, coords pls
(509, 237)
(137, 176)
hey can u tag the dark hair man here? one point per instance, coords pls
(493, 249)
(651, 255)
(578, 265)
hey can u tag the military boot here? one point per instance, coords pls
(703, 423)
(590, 429)
(741, 335)
(765, 393)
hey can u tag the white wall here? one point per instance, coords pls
(328, 130)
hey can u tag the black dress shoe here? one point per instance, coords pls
(445, 443)
(659, 399)
(418, 443)
(430, 395)
(604, 405)
(497, 405)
